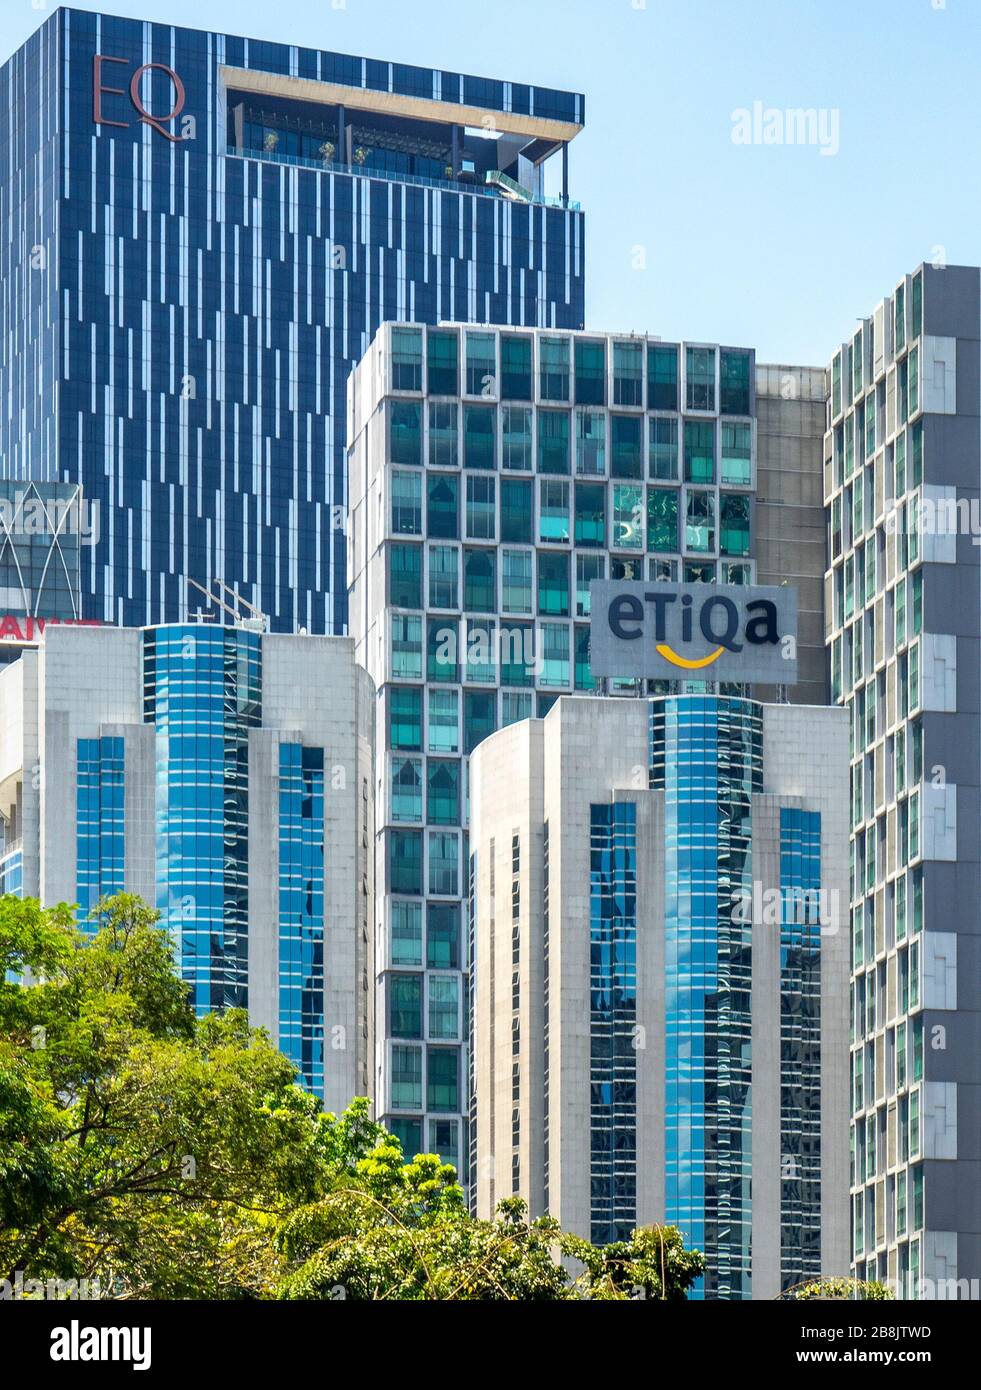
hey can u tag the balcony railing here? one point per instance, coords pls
(363, 171)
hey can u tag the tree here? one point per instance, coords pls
(172, 1157)
(138, 1145)
(838, 1287)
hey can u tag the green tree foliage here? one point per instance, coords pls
(174, 1157)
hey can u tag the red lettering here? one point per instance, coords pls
(98, 88)
(147, 116)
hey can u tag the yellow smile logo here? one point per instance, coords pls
(670, 655)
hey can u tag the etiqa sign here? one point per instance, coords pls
(160, 122)
(664, 631)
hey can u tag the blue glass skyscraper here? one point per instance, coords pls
(199, 236)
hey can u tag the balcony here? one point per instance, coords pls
(495, 187)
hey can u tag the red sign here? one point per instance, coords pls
(159, 123)
(29, 630)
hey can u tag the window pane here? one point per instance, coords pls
(553, 441)
(516, 430)
(478, 436)
(406, 921)
(590, 443)
(663, 461)
(443, 720)
(662, 519)
(553, 369)
(443, 792)
(662, 377)
(443, 452)
(481, 365)
(515, 367)
(737, 453)
(443, 936)
(516, 521)
(405, 432)
(405, 717)
(405, 576)
(590, 372)
(591, 514)
(734, 383)
(443, 576)
(406, 503)
(588, 568)
(628, 374)
(735, 524)
(443, 506)
(479, 581)
(441, 363)
(479, 717)
(406, 359)
(700, 521)
(553, 511)
(516, 581)
(407, 789)
(625, 446)
(553, 583)
(628, 517)
(700, 378)
(699, 451)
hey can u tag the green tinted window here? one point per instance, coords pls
(478, 436)
(405, 717)
(515, 367)
(516, 521)
(699, 451)
(405, 432)
(626, 459)
(553, 369)
(441, 363)
(443, 792)
(479, 717)
(662, 519)
(405, 861)
(662, 377)
(734, 383)
(405, 576)
(628, 374)
(443, 936)
(591, 514)
(405, 1006)
(479, 581)
(553, 441)
(442, 513)
(553, 583)
(590, 372)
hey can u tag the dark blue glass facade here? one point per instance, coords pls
(100, 820)
(706, 753)
(613, 1021)
(202, 693)
(182, 320)
(301, 910)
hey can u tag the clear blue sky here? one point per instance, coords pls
(771, 246)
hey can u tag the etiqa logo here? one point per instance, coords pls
(720, 623)
(160, 123)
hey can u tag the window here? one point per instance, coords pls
(516, 509)
(406, 922)
(481, 365)
(480, 653)
(628, 374)
(700, 521)
(444, 1007)
(407, 789)
(443, 434)
(590, 443)
(443, 1088)
(406, 359)
(405, 718)
(443, 792)
(590, 372)
(443, 871)
(700, 378)
(553, 518)
(481, 508)
(734, 524)
(479, 581)
(734, 383)
(516, 432)
(442, 509)
(441, 363)
(553, 583)
(478, 436)
(626, 459)
(553, 369)
(517, 654)
(663, 439)
(583, 674)
(588, 568)
(405, 861)
(516, 705)
(444, 706)
(407, 646)
(405, 1006)
(628, 516)
(737, 453)
(442, 662)
(444, 1141)
(662, 377)
(591, 514)
(699, 451)
(553, 441)
(405, 432)
(516, 581)
(405, 576)
(554, 638)
(662, 518)
(406, 503)
(443, 936)
(479, 717)
(406, 1078)
(444, 576)
(515, 367)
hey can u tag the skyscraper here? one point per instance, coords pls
(493, 475)
(226, 776)
(902, 472)
(199, 235)
(660, 978)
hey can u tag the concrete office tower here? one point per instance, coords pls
(660, 994)
(902, 473)
(227, 776)
(199, 235)
(492, 476)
